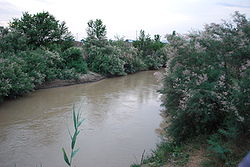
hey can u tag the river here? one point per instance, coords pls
(121, 114)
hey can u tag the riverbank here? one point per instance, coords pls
(168, 154)
(85, 78)
(195, 152)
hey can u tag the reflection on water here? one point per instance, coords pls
(121, 115)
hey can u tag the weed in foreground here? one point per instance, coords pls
(77, 119)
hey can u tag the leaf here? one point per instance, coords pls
(74, 140)
(74, 118)
(80, 122)
(78, 116)
(78, 132)
(65, 157)
(74, 152)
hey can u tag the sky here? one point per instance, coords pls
(125, 18)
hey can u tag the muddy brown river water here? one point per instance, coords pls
(121, 117)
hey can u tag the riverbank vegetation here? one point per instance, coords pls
(35, 49)
(38, 48)
(206, 95)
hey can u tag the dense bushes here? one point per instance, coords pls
(206, 86)
(35, 49)
(101, 57)
(150, 50)
(129, 54)
(109, 65)
(119, 57)
(73, 58)
(12, 41)
(44, 49)
(41, 65)
(14, 81)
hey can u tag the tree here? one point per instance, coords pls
(96, 40)
(142, 43)
(157, 37)
(96, 30)
(41, 29)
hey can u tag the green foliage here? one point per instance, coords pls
(36, 49)
(147, 45)
(206, 86)
(13, 80)
(80, 66)
(73, 58)
(96, 30)
(129, 55)
(96, 42)
(72, 54)
(151, 50)
(23, 71)
(200, 81)
(226, 149)
(109, 65)
(12, 41)
(133, 64)
(42, 29)
(77, 121)
(219, 149)
(119, 57)
(167, 152)
(101, 56)
(153, 61)
(68, 74)
(41, 65)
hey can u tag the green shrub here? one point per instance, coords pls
(167, 152)
(133, 64)
(129, 54)
(14, 81)
(150, 50)
(241, 100)
(72, 54)
(41, 65)
(80, 66)
(73, 58)
(12, 41)
(30, 54)
(206, 87)
(109, 65)
(23, 71)
(201, 82)
(66, 74)
(110, 58)
(153, 61)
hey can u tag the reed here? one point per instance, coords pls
(77, 120)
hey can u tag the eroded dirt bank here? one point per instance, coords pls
(89, 77)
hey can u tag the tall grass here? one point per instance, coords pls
(77, 120)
